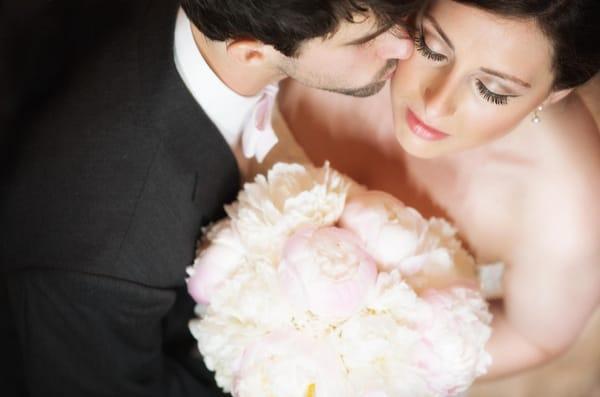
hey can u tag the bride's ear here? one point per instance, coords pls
(247, 51)
(556, 96)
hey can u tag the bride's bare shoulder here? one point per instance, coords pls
(564, 200)
(575, 129)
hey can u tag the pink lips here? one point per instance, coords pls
(421, 129)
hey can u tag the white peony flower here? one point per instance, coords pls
(378, 344)
(297, 306)
(440, 261)
(451, 352)
(377, 351)
(221, 341)
(244, 308)
(292, 196)
(287, 363)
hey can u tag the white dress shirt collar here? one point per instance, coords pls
(228, 110)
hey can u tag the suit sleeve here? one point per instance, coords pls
(87, 335)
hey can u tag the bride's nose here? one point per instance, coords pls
(439, 97)
(394, 45)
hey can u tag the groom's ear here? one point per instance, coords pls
(556, 96)
(247, 51)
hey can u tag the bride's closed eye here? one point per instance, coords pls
(425, 51)
(490, 96)
(440, 59)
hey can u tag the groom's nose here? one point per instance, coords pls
(395, 45)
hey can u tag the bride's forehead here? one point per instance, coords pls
(469, 26)
(456, 14)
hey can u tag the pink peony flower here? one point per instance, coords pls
(326, 271)
(390, 231)
(215, 263)
(426, 252)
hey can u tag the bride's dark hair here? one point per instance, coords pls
(573, 26)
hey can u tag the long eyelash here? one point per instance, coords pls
(421, 46)
(490, 96)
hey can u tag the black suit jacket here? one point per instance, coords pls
(110, 171)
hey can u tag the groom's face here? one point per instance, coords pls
(357, 60)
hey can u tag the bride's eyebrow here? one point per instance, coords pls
(506, 77)
(438, 29)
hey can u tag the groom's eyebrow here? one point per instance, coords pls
(370, 36)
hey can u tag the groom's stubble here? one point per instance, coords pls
(373, 88)
(329, 83)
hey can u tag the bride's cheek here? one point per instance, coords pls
(484, 124)
(412, 78)
(405, 87)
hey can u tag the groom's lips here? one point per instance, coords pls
(421, 129)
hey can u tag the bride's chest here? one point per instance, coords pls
(482, 201)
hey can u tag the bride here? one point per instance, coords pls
(481, 126)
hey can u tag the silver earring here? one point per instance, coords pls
(536, 117)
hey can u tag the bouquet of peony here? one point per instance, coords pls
(316, 287)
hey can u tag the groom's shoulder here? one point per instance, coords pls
(50, 49)
(115, 170)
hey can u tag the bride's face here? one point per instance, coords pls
(474, 78)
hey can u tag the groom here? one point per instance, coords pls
(128, 143)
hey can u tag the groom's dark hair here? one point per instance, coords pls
(285, 24)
